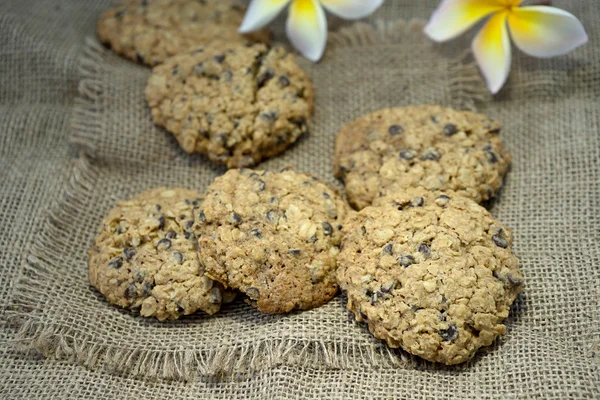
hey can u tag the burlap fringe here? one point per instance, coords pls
(85, 126)
(465, 83)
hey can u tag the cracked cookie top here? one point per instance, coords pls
(150, 31)
(430, 146)
(237, 104)
(145, 257)
(273, 235)
(432, 273)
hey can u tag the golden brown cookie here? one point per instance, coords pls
(145, 257)
(429, 272)
(237, 104)
(274, 236)
(150, 31)
(430, 146)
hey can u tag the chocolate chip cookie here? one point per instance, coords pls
(432, 273)
(274, 236)
(145, 256)
(433, 147)
(237, 104)
(150, 31)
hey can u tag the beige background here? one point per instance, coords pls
(67, 155)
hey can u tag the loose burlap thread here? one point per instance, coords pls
(551, 129)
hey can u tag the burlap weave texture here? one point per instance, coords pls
(551, 119)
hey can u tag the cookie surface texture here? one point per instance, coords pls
(433, 147)
(431, 273)
(150, 31)
(145, 257)
(273, 235)
(237, 104)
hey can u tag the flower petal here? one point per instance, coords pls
(307, 28)
(491, 47)
(260, 13)
(351, 9)
(542, 31)
(454, 17)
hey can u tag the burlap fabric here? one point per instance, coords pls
(52, 206)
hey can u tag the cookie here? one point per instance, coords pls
(237, 104)
(433, 147)
(274, 236)
(429, 272)
(150, 31)
(145, 257)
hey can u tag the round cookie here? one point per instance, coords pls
(430, 146)
(274, 236)
(237, 104)
(432, 273)
(150, 31)
(145, 256)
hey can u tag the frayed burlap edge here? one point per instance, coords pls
(65, 343)
(464, 80)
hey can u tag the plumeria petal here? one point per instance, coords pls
(351, 9)
(454, 17)
(307, 28)
(542, 31)
(260, 13)
(491, 47)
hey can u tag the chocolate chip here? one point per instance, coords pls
(178, 257)
(388, 248)
(408, 154)
(253, 293)
(161, 222)
(256, 233)
(491, 156)
(395, 130)
(431, 155)
(513, 281)
(163, 244)
(129, 253)
(235, 218)
(273, 216)
(189, 235)
(425, 249)
(116, 263)
(201, 216)
(340, 227)
(215, 296)
(131, 291)
(449, 334)
(368, 293)
(363, 229)
(417, 202)
(265, 77)
(500, 241)
(283, 81)
(188, 224)
(294, 252)
(270, 115)
(219, 58)
(120, 230)
(147, 288)
(171, 235)
(327, 228)
(406, 260)
(388, 286)
(450, 129)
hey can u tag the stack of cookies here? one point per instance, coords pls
(420, 260)
(231, 97)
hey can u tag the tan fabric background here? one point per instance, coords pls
(52, 201)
